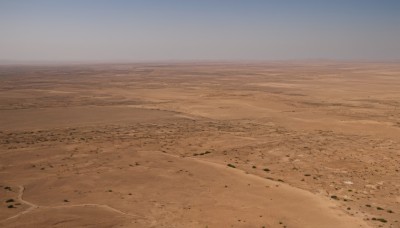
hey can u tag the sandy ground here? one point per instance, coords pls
(279, 144)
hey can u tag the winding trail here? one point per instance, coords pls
(104, 206)
(33, 206)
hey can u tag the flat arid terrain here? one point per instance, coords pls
(274, 144)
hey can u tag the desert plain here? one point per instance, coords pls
(268, 144)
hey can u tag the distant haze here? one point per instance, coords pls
(154, 30)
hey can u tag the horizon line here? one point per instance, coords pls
(188, 61)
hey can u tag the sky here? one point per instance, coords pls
(192, 30)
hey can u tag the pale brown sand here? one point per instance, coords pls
(313, 145)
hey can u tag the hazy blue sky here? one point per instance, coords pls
(141, 30)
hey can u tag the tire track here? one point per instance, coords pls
(33, 207)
